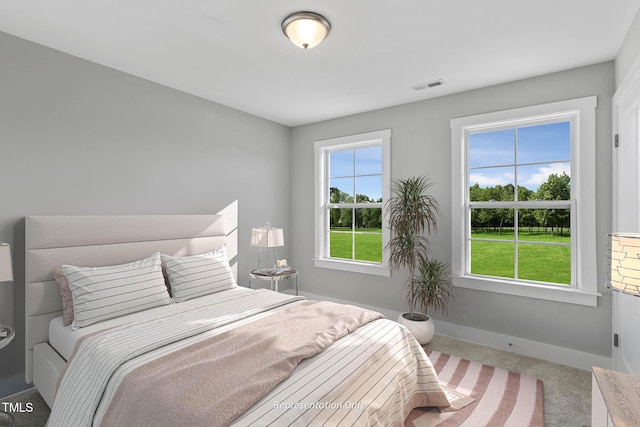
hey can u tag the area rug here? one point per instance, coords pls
(502, 398)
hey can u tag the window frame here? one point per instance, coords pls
(322, 204)
(584, 284)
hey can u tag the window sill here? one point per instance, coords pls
(353, 266)
(549, 293)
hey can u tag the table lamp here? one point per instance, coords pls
(270, 238)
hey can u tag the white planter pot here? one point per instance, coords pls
(422, 330)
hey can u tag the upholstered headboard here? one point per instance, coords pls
(95, 241)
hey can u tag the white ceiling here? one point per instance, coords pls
(233, 51)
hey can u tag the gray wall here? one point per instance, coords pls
(80, 138)
(629, 50)
(421, 142)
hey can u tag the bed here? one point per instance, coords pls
(228, 356)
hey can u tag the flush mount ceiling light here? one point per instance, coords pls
(306, 29)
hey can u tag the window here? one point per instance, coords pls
(524, 190)
(523, 234)
(352, 184)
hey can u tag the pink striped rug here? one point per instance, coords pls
(502, 398)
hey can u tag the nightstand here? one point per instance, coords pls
(276, 276)
(4, 340)
(10, 333)
(615, 398)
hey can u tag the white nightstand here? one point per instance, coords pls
(275, 276)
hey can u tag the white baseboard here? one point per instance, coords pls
(552, 353)
(539, 350)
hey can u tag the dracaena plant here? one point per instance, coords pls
(412, 215)
(431, 286)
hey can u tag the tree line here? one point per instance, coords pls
(365, 217)
(557, 187)
(554, 221)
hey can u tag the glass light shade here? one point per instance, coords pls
(267, 237)
(6, 267)
(306, 29)
(624, 258)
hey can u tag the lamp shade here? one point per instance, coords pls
(6, 267)
(306, 29)
(267, 237)
(624, 257)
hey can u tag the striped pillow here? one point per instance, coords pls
(101, 293)
(195, 276)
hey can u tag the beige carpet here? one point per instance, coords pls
(503, 398)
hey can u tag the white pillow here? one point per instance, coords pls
(101, 293)
(198, 275)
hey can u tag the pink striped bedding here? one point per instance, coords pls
(374, 375)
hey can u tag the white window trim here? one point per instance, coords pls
(321, 147)
(585, 289)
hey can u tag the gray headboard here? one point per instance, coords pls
(95, 241)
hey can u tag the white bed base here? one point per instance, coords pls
(47, 367)
(51, 241)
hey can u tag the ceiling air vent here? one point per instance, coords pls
(428, 85)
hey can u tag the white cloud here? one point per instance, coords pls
(529, 176)
(533, 180)
(488, 180)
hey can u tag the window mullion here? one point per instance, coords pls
(516, 226)
(534, 204)
(355, 205)
(353, 210)
(515, 209)
(353, 233)
(327, 200)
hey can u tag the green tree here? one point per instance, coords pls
(343, 217)
(556, 187)
(346, 217)
(477, 193)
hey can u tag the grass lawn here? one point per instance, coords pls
(543, 263)
(507, 234)
(368, 247)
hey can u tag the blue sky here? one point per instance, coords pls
(540, 151)
(368, 162)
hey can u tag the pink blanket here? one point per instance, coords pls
(213, 381)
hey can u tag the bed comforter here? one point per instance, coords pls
(176, 369)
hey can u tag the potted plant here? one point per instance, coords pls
(431, 288)
(412, 214)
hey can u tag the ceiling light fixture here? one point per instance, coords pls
(306, 29)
